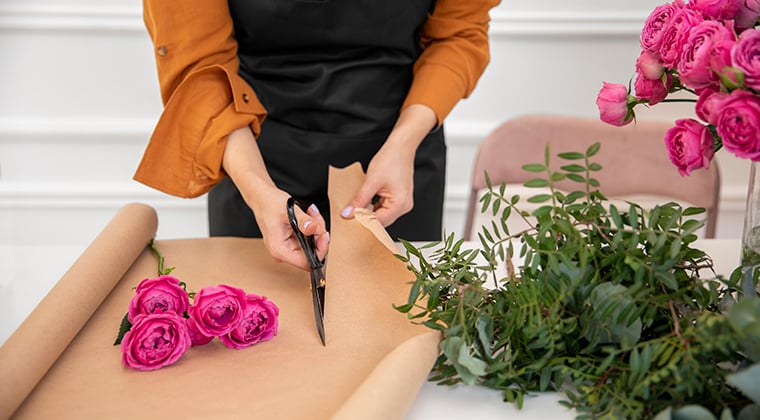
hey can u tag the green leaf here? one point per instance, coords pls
(571, 156)
(545, 379)
(484, 334)
(536, 183)
(573, 168)
(576, 178)
(610, 298)
(574, 196)
(540, 198)
(534, 167)
(692, 412)
(404, 308)
(747, 381)
(123, 328)
(594, 167)
(468, 367)
(557, 176)
(691, 211)
(744, 317)
(593, 149)
(615, 215)
(750, 412)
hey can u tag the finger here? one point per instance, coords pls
(321, 235)
(314, 223)
(388, 211)
(323, 243)
(290, 252)
(363, 198)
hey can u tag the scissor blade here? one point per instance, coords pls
(318, 301)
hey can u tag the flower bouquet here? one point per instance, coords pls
(161, 323)
(705, 52)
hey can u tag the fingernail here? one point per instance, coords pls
(328, 236)
(347, 211)
(306, 224)
(314, 208)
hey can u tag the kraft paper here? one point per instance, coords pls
(372, 367)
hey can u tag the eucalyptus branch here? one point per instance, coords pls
(607, 300)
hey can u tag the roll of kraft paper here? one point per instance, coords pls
(372, 367)
(35, 346)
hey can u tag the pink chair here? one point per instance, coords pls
(633, 158)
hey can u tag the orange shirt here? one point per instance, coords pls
(205, 99)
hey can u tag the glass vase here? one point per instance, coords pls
(750, 259)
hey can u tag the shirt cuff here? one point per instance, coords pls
(184, 155)
(438, 87)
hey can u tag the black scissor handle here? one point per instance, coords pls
(307, 242)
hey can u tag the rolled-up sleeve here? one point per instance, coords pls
(456, 52)
(204, 97)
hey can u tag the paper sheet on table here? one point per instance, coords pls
(373, 364)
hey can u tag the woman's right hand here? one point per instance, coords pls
(243, 163)
(279, 238)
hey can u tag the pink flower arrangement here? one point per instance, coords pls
(161, 324)
(705, 48)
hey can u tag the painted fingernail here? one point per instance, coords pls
(347, 211)
(306, 224)
(314, 208)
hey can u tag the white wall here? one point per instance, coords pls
(79, 98)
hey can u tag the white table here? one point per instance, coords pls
(28, 272)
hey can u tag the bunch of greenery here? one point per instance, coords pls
(608, 306)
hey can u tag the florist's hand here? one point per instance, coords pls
(279, 238)
(389, 185)
(243, 162)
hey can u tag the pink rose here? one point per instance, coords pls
(748, 14)
(720, 63)
(658, 19)
(613, 104)
(154, 341)
(718, 9)
(650, 66)
(694, 65)
(259, 323)
(217, 309)
(197, 338)
(161, 294)
(653, 91)
(709, 104)
(744, 56)
(738, 124)
(675, 34)
(690, 145)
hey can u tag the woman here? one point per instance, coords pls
(261, 96)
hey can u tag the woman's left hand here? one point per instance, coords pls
(389, 186)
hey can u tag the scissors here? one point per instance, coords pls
(317, 271)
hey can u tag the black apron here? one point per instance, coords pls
(332, 75)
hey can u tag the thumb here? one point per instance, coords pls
(362, 199)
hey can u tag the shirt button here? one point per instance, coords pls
(245, 98)
(162, 50)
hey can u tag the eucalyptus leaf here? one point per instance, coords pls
(607, 327)
(750, 412)
(692, 412)
(747, 381)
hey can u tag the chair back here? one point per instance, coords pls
(634, 161)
